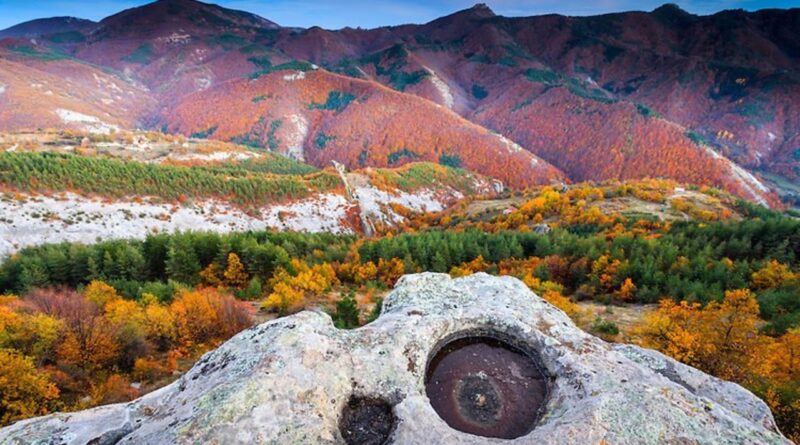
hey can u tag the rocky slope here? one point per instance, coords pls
(300, 380)
(618, 96)
(42, 202)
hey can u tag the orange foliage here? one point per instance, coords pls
(382, 128)
(207, 316)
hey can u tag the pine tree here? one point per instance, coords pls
(34, 274)
(79, 267)
(346, 315)
(182, 264)
(254, 289)
(57, 265)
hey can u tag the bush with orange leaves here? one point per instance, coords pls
(24, 391)
(290, 291)
(115, 389)
(469, 268)
(206, 317)
(723, 339)
(717, 339)
(88, 346)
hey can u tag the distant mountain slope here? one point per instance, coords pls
(46, 89)
(58, 28)
(628, 95)
(319, 117)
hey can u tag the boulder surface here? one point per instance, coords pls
(289, 381)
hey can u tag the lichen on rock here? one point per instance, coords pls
(289, 381)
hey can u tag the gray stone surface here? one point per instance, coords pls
(286, 381)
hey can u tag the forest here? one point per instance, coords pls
(725, 282)
(247, 183)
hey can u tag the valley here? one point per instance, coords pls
(179, 172)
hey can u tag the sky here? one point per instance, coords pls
(335, 14)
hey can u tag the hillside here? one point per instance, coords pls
(318, 117)
(620, 96)
(70, 187)
(158, 301)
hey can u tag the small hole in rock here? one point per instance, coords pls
(486, 387)
(367, 421)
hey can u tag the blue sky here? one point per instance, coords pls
(371, 13)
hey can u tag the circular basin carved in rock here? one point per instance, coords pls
(367, 421)
(486, 387)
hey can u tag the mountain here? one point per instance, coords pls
(319, 117)
(56, 28)
(710, 100)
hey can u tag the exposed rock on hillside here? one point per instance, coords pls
(300, 380)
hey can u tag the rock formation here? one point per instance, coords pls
(299, 380)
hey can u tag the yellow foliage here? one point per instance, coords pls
(159, 324)
(773, 274)
(210, 276)
(572, 310)
(100, 293)
(469, 268)
(24, 391)
(390, 271)
(235, 275)
(627, 291)
(719, 339)
(284, 298)
(782, 358)
(365, 272)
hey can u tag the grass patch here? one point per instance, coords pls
(397, 156)
(227, 41)
(399, 80)
(546, 77)
(47, 56)
(646, 111)
(418, 175)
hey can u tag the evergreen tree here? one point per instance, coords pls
(346, 314)
(57, 265)
(182, 264)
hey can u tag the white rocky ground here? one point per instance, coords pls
(751, 184)
(296, 137)
(39, 219)
(88, 123)
(441, 86)
(287, 382)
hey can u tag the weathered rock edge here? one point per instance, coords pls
(286, 381)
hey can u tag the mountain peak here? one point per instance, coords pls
(184, 14)
(672, 13)
(481, 10)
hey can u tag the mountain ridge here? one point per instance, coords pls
(622, 78)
